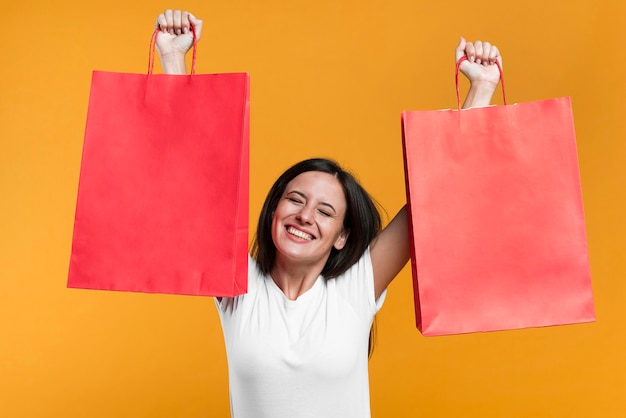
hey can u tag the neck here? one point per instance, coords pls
(294, 280)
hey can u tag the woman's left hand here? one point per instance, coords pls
(481, 70)
(480, 66)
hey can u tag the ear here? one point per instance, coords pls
(341, 241)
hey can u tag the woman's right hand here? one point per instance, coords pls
(175, 38)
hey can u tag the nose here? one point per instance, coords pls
(305, 215)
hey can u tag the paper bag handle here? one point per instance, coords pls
(458, 93)
(153, 40)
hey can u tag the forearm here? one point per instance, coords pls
(174, 64)
(480, 94)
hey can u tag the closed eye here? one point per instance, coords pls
(295, 197)
(324, 212)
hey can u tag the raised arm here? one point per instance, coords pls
(176, 38)
(390, 250)
(481, 70)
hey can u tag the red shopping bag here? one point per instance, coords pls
(496, 218)
(162, 201)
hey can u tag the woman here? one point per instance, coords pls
(297, 342)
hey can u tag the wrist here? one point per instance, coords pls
(173, 62)
(484, 86)
(480, 94)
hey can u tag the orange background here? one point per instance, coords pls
(329, 78)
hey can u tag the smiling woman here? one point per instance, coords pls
(300, 334)
(297, 342)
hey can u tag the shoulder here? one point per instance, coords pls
(356, 285)
(255, 279)
(361, 269)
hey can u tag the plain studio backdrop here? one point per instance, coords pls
(328, 78)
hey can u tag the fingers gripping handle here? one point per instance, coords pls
(153, 40)
(458, 92)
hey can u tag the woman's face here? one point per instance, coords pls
(308, 221)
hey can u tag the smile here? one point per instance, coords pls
(297, 233)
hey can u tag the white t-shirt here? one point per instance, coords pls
(301, 358)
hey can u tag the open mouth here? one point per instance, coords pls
(297, 233)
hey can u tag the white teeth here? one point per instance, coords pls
(299, 234)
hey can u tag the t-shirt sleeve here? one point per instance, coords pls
(357, 286)
(253, 277)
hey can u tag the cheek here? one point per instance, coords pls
(332, 230)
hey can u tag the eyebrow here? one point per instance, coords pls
(321, 203)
